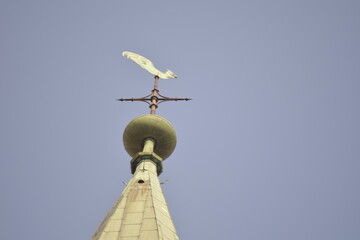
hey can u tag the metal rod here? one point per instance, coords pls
(154, 97)
(156, 83)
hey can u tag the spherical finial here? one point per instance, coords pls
(150, 126)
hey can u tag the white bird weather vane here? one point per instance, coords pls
(149, 66)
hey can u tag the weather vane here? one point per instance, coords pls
(153, 99)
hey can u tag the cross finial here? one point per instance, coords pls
(153, 99)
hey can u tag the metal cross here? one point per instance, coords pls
(155, 98)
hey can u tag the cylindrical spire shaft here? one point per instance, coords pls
(149, 145)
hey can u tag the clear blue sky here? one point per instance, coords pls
(268, 149)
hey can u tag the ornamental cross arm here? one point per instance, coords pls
(154, 99)
(147, 99)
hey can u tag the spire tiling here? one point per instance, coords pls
(141, 211)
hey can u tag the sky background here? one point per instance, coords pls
(269, 148)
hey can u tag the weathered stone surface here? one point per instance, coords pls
(141, 212)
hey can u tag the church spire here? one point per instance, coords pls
(141, 211)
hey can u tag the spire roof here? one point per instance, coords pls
(141, 211)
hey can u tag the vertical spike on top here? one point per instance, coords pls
(156, 82)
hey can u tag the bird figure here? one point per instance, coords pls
(148, 65)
